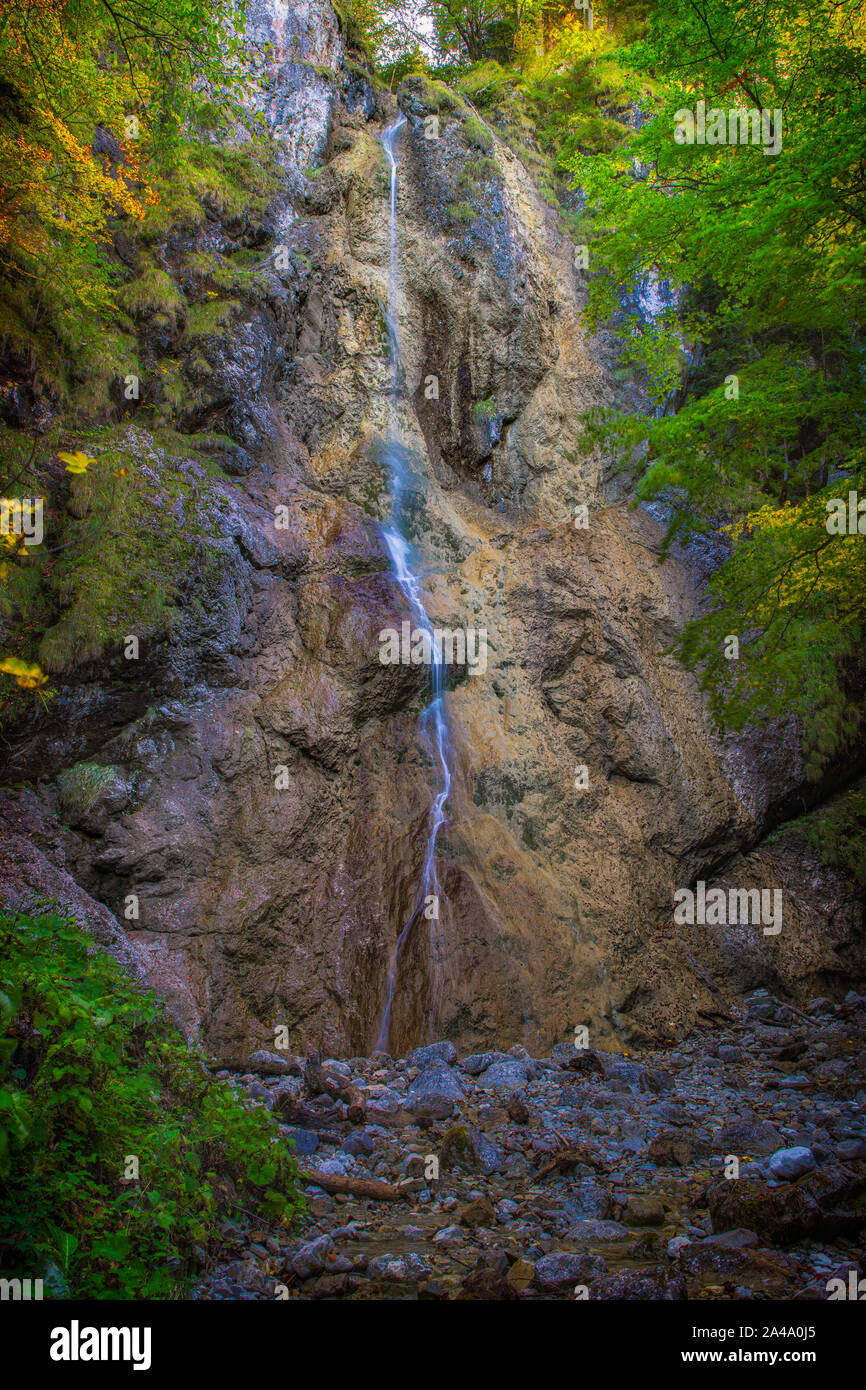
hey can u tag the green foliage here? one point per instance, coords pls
(484, 411)
(766, 416)
(91, 1072)
(838, 832)
(571, 102)
(437, 96)
(797, 597)
(364, 23)
(210, 317)
(477, 28)
(242, 273)
(79, 363)
(230, 181)
(94, 99)
(122, 544)
(462, 213)
(477, 172)
(153, 292)
(549, 106)
(477, 133)
(80, 786)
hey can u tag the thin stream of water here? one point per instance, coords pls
(400, 551)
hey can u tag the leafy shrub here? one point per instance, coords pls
(477, 133)
(477, 172)
(838, 831)
(462, 213)
(91, 1072)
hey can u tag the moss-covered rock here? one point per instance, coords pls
(455, 1147)
(210, 318)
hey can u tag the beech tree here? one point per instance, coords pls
(760, 420)
(92, 94)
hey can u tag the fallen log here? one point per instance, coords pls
(715, 1017)
(355, 1187)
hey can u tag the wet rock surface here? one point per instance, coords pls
(609, 1189)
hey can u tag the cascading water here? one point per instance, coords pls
(433, 720)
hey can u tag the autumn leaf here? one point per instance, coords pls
(78, 462)
(28, 676)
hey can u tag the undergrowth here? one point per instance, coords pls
(97, 1084)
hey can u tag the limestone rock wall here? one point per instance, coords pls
(263, 905)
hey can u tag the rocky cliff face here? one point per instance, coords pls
(264, 791)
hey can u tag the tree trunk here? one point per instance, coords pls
(355, 1187)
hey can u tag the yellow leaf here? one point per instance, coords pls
(28, 676)
(78, 462)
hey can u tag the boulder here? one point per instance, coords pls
(564, 1269)
(790, 1164)
(312, 1258)
(434, 1052)
(507, 1075)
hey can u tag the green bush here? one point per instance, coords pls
(476, 172)
(477, 133)
(91, 1072)
(838, 832)
(462, 213)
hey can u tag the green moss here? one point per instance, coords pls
(79, 373)
(456, 1146)
(233, 181)
(838, 832)
(173, 389)
(436, 96)
(209, 116)
(200, 447)
(354, 30)
(118, 357)
(200, 367)
(22, 332)
(356, 70)
(486, 410)
(124, 543)
(207, 320)
(152, 291)
(80, 350)
(485, 83)
(242, 273)
(366, 74)
(476, 172)
(552, 108)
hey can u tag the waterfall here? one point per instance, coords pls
(433, 720)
